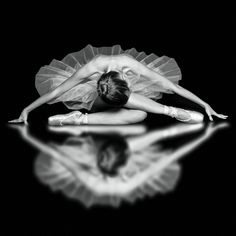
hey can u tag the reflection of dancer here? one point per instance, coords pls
(92, 168)
(99, 79)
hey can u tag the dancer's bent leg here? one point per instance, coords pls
(112, 116)
(117, 116)
(137, 101)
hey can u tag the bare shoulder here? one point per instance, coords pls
(99, 62)
(102, 59)
(126, 60)
(102, 62)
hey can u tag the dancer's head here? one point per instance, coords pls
(112, 89)
(113, 154)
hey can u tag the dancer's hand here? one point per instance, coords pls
(22, 129)
(23, 118)
(212, 128)
(211, 112)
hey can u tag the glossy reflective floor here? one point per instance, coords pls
(109, 164)
(70, 174)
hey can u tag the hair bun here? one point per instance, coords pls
(112, 89)
(104, 88)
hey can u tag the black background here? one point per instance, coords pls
(200, 38)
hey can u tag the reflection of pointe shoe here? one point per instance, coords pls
(73, 118)
(184, 115)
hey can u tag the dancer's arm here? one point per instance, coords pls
(148, 72)
(189, 95)
(94, 66)
(143, 141)
(44, 147)
(191, 145)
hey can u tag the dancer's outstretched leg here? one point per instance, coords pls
(137, 101)
(112, 116)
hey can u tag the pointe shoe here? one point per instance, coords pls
(73, 118)
(193, 117)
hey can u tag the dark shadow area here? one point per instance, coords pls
(62, 175)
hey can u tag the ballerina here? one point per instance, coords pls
(114, 86)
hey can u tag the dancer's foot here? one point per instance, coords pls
(184, 115)
(73, 118)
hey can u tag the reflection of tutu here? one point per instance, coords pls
(84, 94)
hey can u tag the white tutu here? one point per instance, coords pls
(85, 93)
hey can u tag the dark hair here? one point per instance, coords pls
(112, 89)
(113, 154)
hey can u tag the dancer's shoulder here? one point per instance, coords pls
(102, 62)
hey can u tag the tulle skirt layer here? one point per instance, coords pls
(85, 93)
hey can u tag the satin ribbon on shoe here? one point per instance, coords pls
(85, 120)
(76, 117)
(194, 117)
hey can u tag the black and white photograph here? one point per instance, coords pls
(118, 121)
